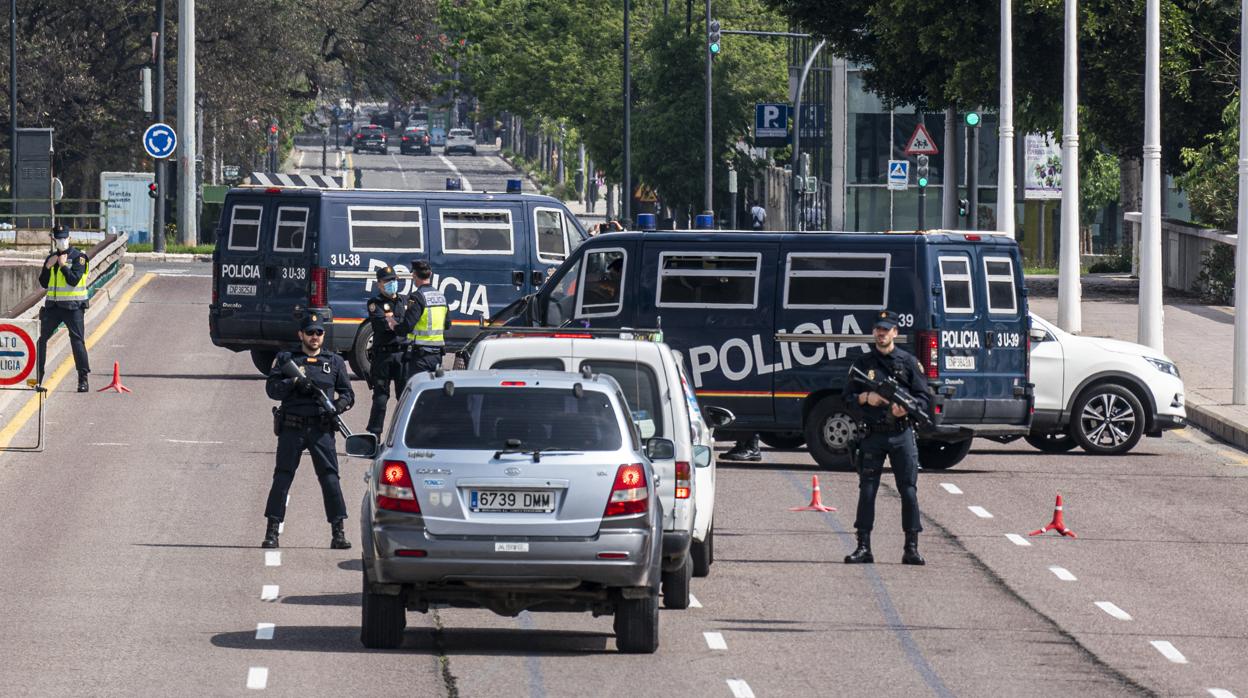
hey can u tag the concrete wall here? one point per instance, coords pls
(18, 279)
(1183, 248)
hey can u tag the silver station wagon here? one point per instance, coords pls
(512, 491)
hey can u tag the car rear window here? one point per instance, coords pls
(955, 281)
(245, 228)
(639, 385)
(472, 418)
(999, 271)
(533, 363)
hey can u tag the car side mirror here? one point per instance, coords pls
(701, 456)
(718, 417)
(362, 445)
(1039, 335)
(660, 449)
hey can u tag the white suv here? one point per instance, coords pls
(1101, 394)
(663, 405)
(460, 139)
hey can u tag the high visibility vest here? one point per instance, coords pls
(59, 290)
(428, 329)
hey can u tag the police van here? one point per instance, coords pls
(284, 251)
(769, 323)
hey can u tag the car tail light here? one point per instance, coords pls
(359, 136)
(216, 278)
(929, 352)
(629, 494)
(512, 384)
(612, 556)
(405, 138)
(394, 488)
(972, 238)
(273, 190)
(319, 296)
(683, 476)
(411, 553)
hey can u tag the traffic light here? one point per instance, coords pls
(713, 37)
(273, 133)
(964, 207)
(972, 119)
(152, 190)
(922, 170)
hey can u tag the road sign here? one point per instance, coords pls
(771, 125)
(921, 142)
(159, 140)
(17, 352)
(814, 119)
(898, 175)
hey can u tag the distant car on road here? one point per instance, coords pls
(415, 139)
(460, 139)
(512, 491)
(371, 137)
(1101, 394)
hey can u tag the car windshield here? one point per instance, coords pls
(539, 418)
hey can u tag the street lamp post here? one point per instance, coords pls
(796, 203)
(628, 116)
(1005, 149)
(708, 204)
(1150, 319)
(1239, 391)
(1068, 292)
(13, 103)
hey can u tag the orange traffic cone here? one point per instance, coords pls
(1057, 524)
(816, 501)
(116, 384)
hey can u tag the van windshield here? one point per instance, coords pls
(540, 418)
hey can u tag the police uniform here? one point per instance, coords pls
(305, 424)
(891, 436)
(66, 302)
(386, 360)
(425, 322)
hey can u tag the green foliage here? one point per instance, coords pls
(1099, 177)
(1216, 281)
(1212, 180)
(1118, 264)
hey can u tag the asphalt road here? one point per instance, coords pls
(131, 566)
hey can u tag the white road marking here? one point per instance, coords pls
(1111, 609)
(465, 184)
(207, 443)
(268, 592)
(264, 631)
(257, 677)
(740, 689)
(400, 167)
(715, 641)
(273, 558)
(980, 512)
(951, 488)
(107, 443)
(1168, 651)
(1063, 574)
(1221, 693)
(693, 602)
(1018, 540)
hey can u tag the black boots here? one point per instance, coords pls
(745, 449)
(270, 534)
(911, 556)
(82, 383)
(339, 541)
(862, 554)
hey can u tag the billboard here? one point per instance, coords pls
(130, 209)
(1042, 167)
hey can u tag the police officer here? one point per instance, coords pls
(889, 431)
(385, 311)
(304, 424)
(65, 276)
(424, 321)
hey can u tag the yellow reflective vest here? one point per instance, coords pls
(59, 288)
(428, 330)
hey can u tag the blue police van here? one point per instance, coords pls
(768, 323)
(285, 251)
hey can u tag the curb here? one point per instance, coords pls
(1218, 426)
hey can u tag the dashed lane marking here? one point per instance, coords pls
(1018, 540)
(465, 184)
(1221, 693)
(981, 512)
(693, 602)
(715, 641)
(268, 592)
(400, 169)
(1169, 651)
(264, 631)
(951, 488)
(1063, 574)
(740, 689)
(1113, 610)
(205, 443)
(257, 677)
(273, 558)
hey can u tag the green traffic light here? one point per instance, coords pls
(972, 118)
(922, 181)
(715, 47)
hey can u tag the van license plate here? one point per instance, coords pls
(513, 501)
(960, 363)
(511, 547)
(240, 290)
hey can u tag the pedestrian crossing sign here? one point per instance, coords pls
(898, 175)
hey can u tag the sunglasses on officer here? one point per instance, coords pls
(313, 333)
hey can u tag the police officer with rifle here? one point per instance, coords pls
(887, 390)
(305, 382)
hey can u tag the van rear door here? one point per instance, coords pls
(287, 264)
(240, 268)
(1007, 399)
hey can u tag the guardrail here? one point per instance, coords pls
(86, 221)
(105, 261)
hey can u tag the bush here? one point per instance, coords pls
(1216, 282)
(1121, 264)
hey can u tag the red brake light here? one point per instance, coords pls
(512, 384)
(273, 190)
(973, 238)
(404, 137)
(394, 488)
(929, 352)
(683, 475)
(411, 553)
(629, 494)
(319, 297)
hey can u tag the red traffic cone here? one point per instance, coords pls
(816, 501)
(1057, 524)
(116, 384)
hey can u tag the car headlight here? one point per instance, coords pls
(1163, 366)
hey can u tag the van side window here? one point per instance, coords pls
(832, 280)
(602, 283)
(385, 229)
(292, 224)
(955, 283)
(708, 279)
(477, 232)
(245, 228)
(1000, 274)
(552, 238)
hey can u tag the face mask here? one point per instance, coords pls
(62, 244)
(391, 287)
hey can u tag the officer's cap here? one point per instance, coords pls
(386, 274)
(312, 321)
(60, 232)
(886, 319)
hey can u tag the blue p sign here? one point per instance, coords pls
(771, 125)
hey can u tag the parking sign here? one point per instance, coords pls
(771, 125)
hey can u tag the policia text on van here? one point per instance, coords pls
(282, 252)
(769, 323)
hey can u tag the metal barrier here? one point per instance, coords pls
(85, 221)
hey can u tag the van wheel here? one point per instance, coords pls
(829, 430)
(358, 358)
(783, 440)
(637, 625)
(382, 619)
(942, 455)
(1107, 420)
(1053, 442)
(263, 360)
(676, 585)
(703, 553)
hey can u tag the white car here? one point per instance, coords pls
(460, 139)
(1101, 394)
(661, 398)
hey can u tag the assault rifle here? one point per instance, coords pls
(888, 389)
(292, 370)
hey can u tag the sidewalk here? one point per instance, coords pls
(1198, 338)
